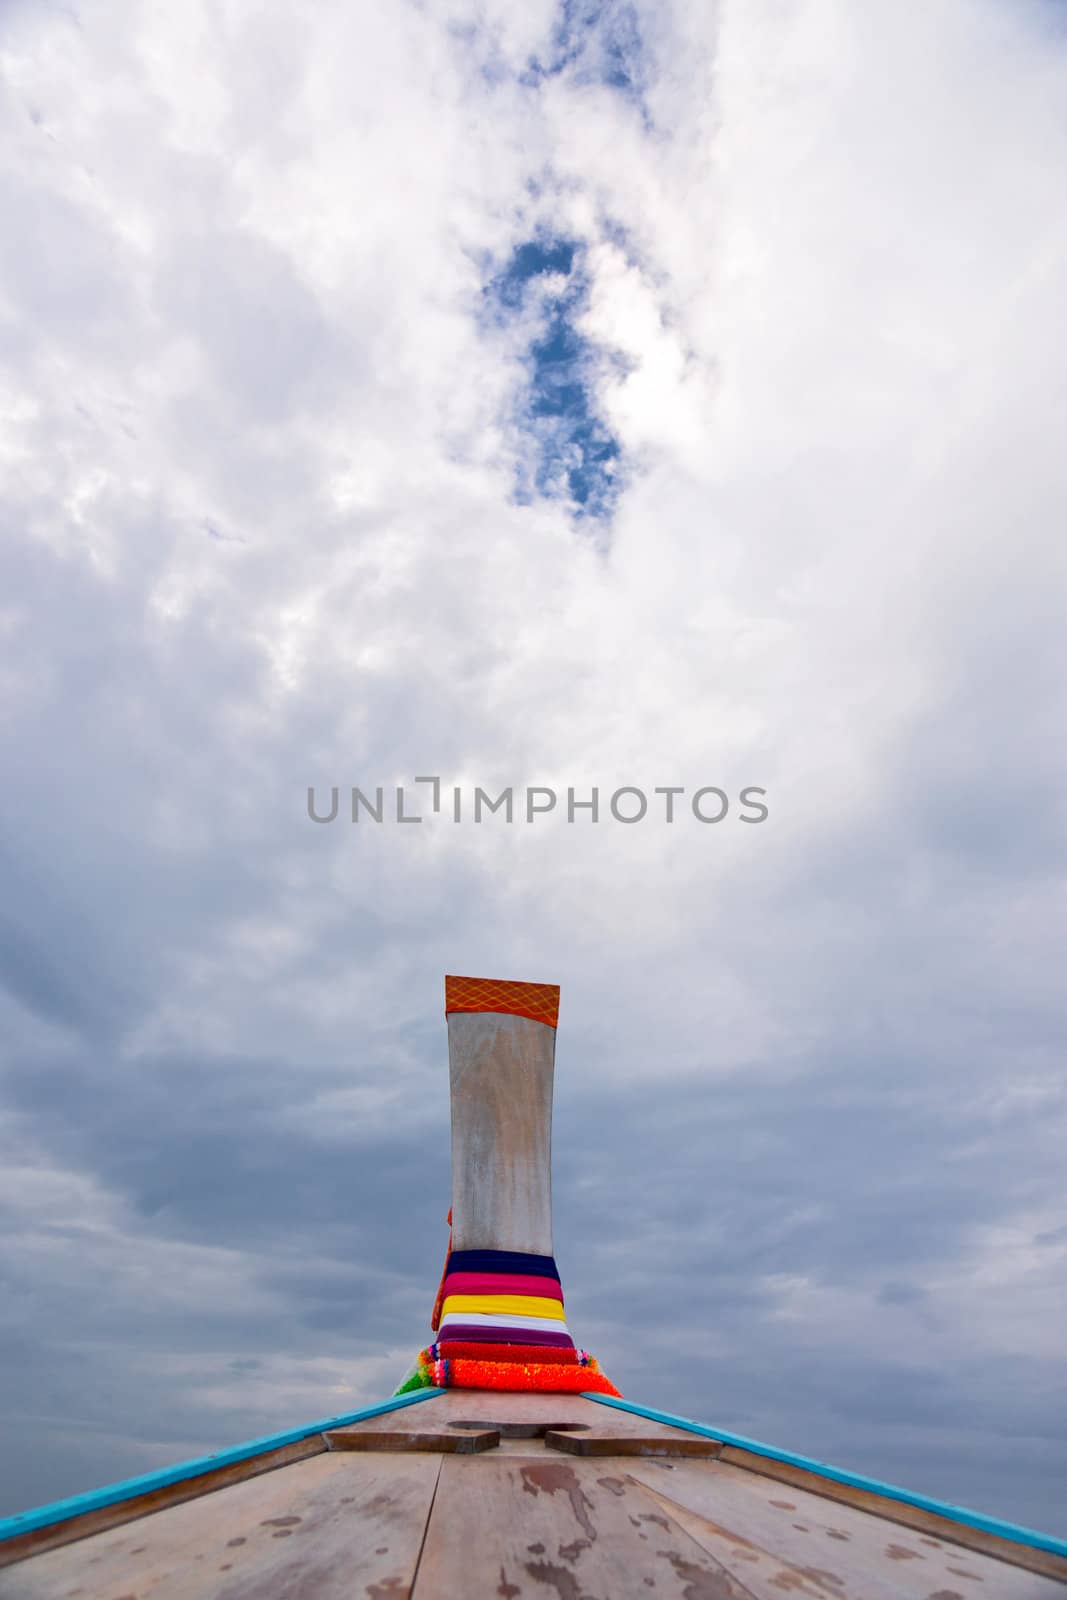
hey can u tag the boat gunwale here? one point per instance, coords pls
(65, 1517)
(892, 1500)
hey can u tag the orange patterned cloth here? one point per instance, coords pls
(516, 1375)
(433, 1370)
(538, 1001)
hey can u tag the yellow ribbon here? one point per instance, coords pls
(504, 1305)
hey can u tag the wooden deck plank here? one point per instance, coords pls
(331, 1527)
(660, 1442)
(916, 1518)
(458, 1442)
(72, 1529)
(758, 1528)
(518, 1415)
(514, 1526)
(766, 1572)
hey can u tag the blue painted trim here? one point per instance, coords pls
(130, 1488)
(971, 1519)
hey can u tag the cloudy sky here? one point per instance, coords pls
(567, 395)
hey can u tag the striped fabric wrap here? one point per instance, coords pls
(474, 1350)
(502, 1297)
(492, 1331)
(482, 1283)
(504, 1305)
(500, 1325)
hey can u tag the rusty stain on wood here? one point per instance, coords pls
(765, 1573)
(902, 1552)
(702, 1584)
(552, 1477)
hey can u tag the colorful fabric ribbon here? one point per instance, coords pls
(497, 1261)
(502, 1305)
(503, 1283)
(457, 1348)
(494, 1332)
(447, 1372)
(500, 1324)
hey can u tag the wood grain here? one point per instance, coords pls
(465, 1442)
(328, 1528)
(663, 1442)
(565, 1528)
(757, 1528)
(524, 1415)
(500, 1078)
(928, 1522)
(142, 1505)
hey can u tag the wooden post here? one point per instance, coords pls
(498, 1315)
(501, 1055)
(500, 1072)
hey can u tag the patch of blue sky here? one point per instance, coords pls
(568, 450)
(596, 41)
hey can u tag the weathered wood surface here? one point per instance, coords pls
(761, 1530)
(460, 1442)
(520, 1416)
(913, 1517)
(470, 1438)
(330, 1528)
(663, 1442)
(142, 1505)
(500, 1075)
(535, 1526)
(519, 1519)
